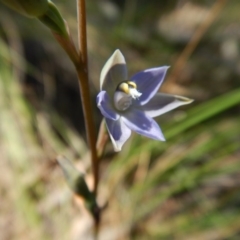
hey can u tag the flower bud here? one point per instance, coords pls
(77, 183)
(75, 180)
(29, 8)
(44, 10)
(53, 19)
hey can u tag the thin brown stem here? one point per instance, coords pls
(82, 32)
(79, 60)
(89, 123)
(68, 46)
(82, 71)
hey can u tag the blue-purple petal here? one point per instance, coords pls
(119, 133)
(148, 82)
(142, 124)
(104, 104)
(162, 103)
(113, 72)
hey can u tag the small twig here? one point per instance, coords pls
(181, 61)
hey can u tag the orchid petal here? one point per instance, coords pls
(103, 103)
(162, 103)
(119, 133)
(142, 124)
(113, 72)
(148, 82)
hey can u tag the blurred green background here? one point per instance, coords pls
(185, 188)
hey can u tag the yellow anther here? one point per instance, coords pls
(124, 87)
(132, 84)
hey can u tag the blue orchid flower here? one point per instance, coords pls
(130, 105)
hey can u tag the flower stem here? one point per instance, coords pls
(89, 123)
(82, 70)
(79, 60)
(82, 31)
(67, 44)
